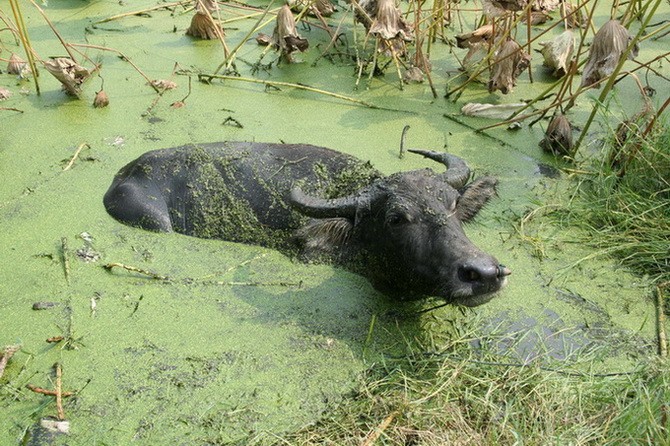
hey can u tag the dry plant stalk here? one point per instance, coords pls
(285, 37)
(558, 53)
(609, 44)
(70, 74)
(558, 137)
(202, 24)
(510, 62)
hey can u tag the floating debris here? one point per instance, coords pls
(101, 99)
(70, 74)
(500, 111)
(285, 37)
(536, 18)
(481, 34)
(203, 25)
(609, 45)
(558, 137)
(5, 93)
(510, 62)
(163, 84)
(558, 53)
(6, 355)
(44, 305)
(18, 66)
(413, 75)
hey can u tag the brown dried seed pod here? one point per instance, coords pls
(285, 37)
(17, 65)
(572, 17)
(388, 22)
(609, 45)
(510, 62)
(558, 137)
(101, 99)
(70, 74)
(558, 52)
(202, 26)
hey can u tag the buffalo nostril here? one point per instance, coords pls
(478, 273)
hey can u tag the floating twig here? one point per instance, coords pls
(59, 391)
(403, 139)
(123, 56)
(370, 440)
(209, 77)
(109, 266)
(47, 391)
(66, 260)
(12, 109)
(55, 339)
(143, 11)
(76, 154)
(53, 28)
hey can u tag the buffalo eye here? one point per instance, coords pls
(395, 220)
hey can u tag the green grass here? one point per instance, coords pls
(624, 205)
(460, 396)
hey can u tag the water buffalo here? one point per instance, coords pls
(403, 231)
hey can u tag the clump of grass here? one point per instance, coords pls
(463, 396)
(625, 204)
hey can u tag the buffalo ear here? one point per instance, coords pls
(327, 238)
(474, 197)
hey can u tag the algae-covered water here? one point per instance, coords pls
(242, 342)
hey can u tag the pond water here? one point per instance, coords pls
(184, 361)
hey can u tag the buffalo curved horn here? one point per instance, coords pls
(321, 207)
(457, 173)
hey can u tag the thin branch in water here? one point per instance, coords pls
(123, 57)
(76, 155)
(209, 77)
(143, 11)
(134, 269)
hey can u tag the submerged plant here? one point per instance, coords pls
(609, 45)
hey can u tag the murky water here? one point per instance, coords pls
(185, 362)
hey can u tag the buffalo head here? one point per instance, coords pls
(406, 232)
